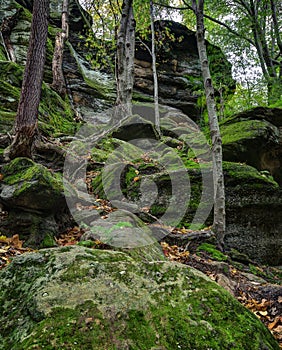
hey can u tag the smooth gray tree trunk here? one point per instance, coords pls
(219, 192)
(59, 83)
(125, 59)
(154, 69)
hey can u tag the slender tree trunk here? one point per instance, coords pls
(59, 83)
(27, 114)
(154, 69)
(219, 192)
(276, 25)
(276, 88)
(125, 58)
(8, 23)
(268, 66)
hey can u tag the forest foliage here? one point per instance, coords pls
(248, 32)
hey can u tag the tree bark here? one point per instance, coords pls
(27, 113)
(219, 192)
(125, 59)
(154, 69)
(59, 83)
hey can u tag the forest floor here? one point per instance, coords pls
(256, 286)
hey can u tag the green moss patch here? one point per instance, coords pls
(55, 114)
(214, 253)
(2, 54)
(248, 129)
(245, 176)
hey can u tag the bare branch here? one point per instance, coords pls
(188, 7)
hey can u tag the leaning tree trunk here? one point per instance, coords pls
(219, 193)
(154, 68)
(59, 83)
(125, 58)
(26, 119)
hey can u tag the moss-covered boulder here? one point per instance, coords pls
(33, 198)
(254, 137)
(28, 185)
(78, 298)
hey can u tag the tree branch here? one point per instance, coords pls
(188, 7)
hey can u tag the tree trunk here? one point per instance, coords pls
(59, 83)
(219, 193)
(27, 114)
(154, 68)
(125, 58)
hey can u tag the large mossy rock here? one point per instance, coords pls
(255, 137)
(78, 298)
(33, 197)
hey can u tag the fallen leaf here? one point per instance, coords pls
(16, 242)
(263, 313)
(275, 322)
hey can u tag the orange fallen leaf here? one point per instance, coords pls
(273, 324)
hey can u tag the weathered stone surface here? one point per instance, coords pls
(75, 297)
(253, 199)
(33, 198)
(86, 87)
(255, 137)
(253, 213)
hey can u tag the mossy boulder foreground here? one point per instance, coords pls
(79, 298)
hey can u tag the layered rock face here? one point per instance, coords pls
(253, 198)
(180, 82)
(178, 66)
